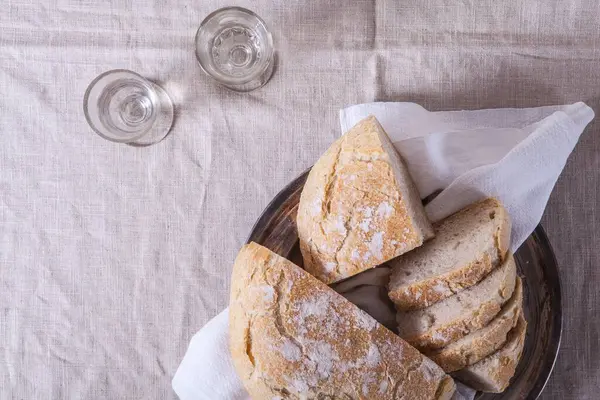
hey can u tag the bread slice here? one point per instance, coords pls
(455, 317)
(493, 373)
(293, 337)
(483, 342)
(359, 206)
(467, 246)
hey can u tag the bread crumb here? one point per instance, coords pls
(383, 386)
(367, 211)
(313, 306)
(373, 356)
(298, 385)
(365, 225)
(365, 321)
(368, 380)
(330, 267)
(325, 357)
(384, 210)
(376, 245)
(268, 293)
(426, 368)
(440, 287)
(437, 336)
(336, 225)
(316, 206)
(290, 350)
(327, 249)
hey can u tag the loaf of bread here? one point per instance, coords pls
(448, 320)
(359, 206)
(467, 246)
(483, 342)
(493, 373)
(293, 337)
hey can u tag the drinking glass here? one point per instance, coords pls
(235, 48)
(124, 107)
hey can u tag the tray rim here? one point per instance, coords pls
(555, 287)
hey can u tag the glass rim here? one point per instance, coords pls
(269, 37)
(86, 98)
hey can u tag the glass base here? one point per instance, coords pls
(255, 83)
(164, 120)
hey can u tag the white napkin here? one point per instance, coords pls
(206, 372)
(515, 155)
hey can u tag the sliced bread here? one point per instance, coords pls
(446, 321)
(293, 337)
(467, 246)
(483, 342)
(359, 206)
(493, 373)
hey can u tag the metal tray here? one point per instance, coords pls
(276, 230)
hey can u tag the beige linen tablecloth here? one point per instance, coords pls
(112, 257)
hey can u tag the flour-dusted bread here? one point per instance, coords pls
(359, 206)
(446, 321)
(483, 342)
(493, 373)
(293, 337)
(466, 247)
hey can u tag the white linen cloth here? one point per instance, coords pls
(515, 155)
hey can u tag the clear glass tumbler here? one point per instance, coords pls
(235, 48)
(124, 107)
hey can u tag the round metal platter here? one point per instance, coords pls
(276, 230)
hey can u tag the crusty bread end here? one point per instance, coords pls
(493, 373)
